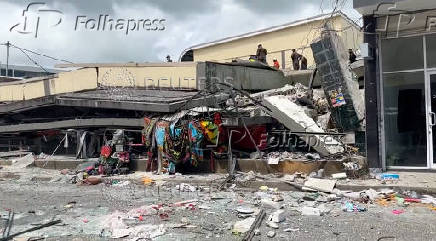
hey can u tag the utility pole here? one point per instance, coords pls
(7, 58)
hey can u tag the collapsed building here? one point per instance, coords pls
(189, 115)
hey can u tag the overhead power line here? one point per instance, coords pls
(26, 51)
(40, 54)
(32, 60)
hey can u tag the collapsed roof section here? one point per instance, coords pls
(161, 101)
(119, 95)
(168, 76)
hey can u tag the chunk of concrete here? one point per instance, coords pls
(272, 225)
(277, 216)
(243, 226)
(24, 161)
(341, 175)
(271, 234)
(295, 119)
(309, 211)
(270, 203)
(323, 185)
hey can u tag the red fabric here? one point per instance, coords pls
(241, 140)
(106, 151)
(217, 120)
(124, 156)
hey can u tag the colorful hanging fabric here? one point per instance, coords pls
(176, 142)
(160, 135)
(147, 132)
(171, 168)
(195, 137)
(211, 131)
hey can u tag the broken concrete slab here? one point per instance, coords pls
(295, 119)
(323, 185)
(309, 211)
(24, 161)
(243, 226)
(345, 100)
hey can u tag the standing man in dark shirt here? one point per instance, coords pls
(303, 63)
(296, 57)
(261, 54)
(352, 57)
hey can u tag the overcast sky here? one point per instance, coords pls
(186, 22)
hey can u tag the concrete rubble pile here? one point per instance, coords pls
(295, 119)
(302, 111)
(152, 207)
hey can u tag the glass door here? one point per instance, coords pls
(405, 118)
(430, 50)
(431, 76)
(405, 109)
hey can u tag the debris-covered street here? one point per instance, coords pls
(141, 209)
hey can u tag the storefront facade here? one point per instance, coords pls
(400, 83)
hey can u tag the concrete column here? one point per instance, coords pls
(372, 90)
(345, 100)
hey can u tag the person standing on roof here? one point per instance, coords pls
(303, 63)
(261, 54)
(169, 60)
(276, 64)
(352, 57)
(296, 57)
